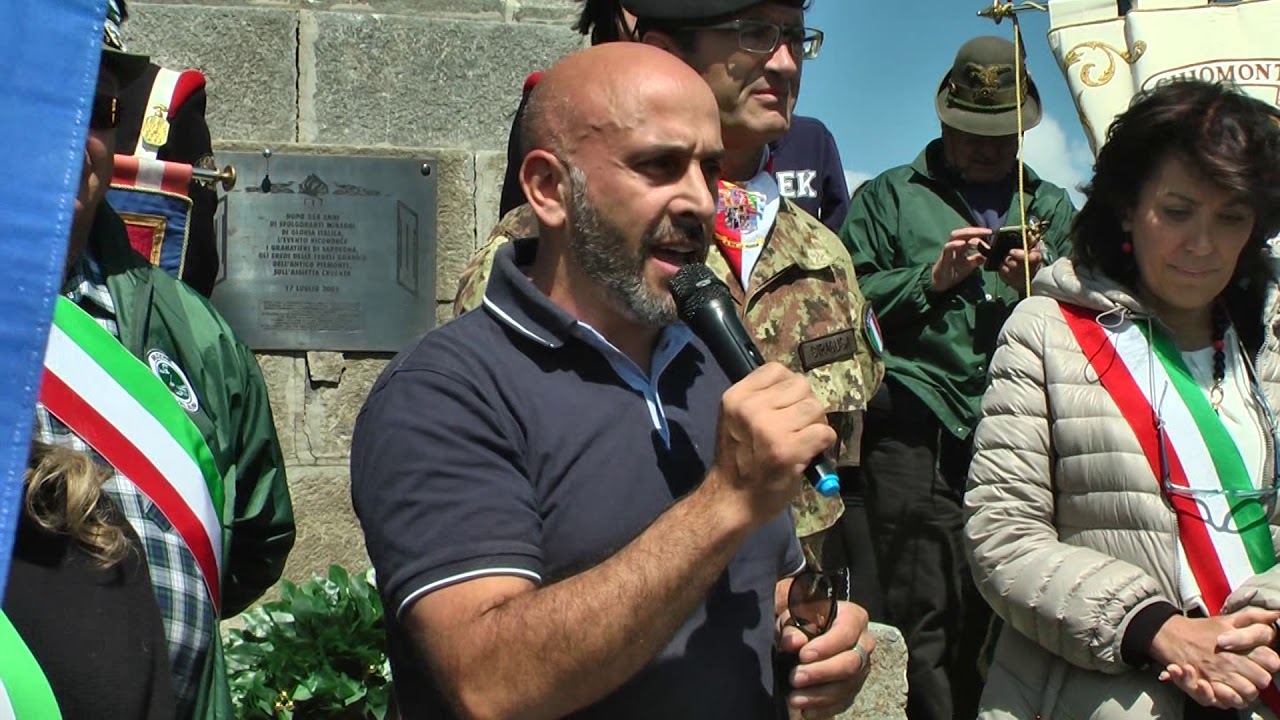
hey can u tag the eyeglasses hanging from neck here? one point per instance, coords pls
(1235, 498)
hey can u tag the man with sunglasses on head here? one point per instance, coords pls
(792, 279)
(208, 499)
(570, 511)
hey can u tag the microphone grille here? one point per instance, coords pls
(694, 286)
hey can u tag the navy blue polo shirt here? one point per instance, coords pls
(515, 440)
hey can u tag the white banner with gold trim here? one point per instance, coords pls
(1108, 57)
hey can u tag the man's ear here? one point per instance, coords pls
(662, 41)
(545, 181)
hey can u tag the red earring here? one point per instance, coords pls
(1126, 247)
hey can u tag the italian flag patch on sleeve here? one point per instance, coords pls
(871, 326)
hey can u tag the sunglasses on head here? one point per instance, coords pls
(104, 114)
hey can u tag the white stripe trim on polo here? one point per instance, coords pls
(460, 577)
(502, 315)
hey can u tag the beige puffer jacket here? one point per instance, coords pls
(1068, 532)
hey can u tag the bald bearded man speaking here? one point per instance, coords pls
(570, 510)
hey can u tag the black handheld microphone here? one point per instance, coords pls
(705, 305)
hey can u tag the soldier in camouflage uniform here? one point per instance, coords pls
(800, 301)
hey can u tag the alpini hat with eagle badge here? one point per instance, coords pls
(979, 94)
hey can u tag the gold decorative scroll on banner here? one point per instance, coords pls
(1108, 58)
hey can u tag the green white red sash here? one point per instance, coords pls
(124, 412)
(1225, 539)
(24, 690)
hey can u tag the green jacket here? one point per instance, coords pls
(156, 312)
(938, 345)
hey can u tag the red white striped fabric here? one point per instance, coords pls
(146, 174)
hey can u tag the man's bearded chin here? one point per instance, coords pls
(600, 250)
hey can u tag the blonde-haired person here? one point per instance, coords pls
(79, 596)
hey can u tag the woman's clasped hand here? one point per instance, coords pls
(1224, 661)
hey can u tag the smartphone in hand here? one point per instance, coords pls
(1005, 239)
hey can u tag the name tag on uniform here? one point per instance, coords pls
(827, 349)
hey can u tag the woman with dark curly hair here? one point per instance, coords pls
(1121, 510)
(79, 599)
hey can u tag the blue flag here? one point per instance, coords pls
(50, 71)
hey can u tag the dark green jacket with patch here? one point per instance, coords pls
(156, 312)
(938, 345)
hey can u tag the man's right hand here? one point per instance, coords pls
(1189, 650)
(960, 257)
(771, 427)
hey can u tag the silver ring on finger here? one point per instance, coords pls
(863, 656)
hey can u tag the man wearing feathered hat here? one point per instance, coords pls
(930, 258)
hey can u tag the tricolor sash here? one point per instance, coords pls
(24, 690)
(124, 412)
(1225, 538)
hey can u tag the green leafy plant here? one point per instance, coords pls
(317, 652)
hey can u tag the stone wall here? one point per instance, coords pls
(389, 78)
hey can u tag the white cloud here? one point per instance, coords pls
(854, 178)
(1055, 157)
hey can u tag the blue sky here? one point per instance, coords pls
(881, 62)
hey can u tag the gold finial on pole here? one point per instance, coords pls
(1000, 10)
(226, 177)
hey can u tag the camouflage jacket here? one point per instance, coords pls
(803, 308)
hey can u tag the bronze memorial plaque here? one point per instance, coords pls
(327, 252)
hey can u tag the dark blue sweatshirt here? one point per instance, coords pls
(807, 166)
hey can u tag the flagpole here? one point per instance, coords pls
(998, 11)
(53, 49)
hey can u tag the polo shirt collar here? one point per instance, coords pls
(511, 298)
(514, 301)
